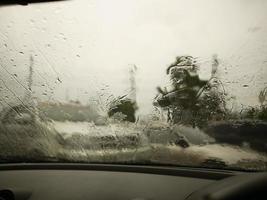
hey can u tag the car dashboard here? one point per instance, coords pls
(103, 182)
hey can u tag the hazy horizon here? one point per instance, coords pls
(85, 48)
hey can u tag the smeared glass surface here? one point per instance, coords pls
(147, 82)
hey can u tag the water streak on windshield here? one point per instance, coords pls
(148, 82)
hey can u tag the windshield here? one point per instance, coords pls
(177, 82)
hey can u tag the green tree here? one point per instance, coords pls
(192, 101)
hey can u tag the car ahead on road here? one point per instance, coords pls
(117, 135)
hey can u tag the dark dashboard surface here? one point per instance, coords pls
(120, 183)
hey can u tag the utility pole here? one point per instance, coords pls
(133, 83)
(28, 95)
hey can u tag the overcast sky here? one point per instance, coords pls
(91, 44)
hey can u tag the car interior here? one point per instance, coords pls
(130, 182)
